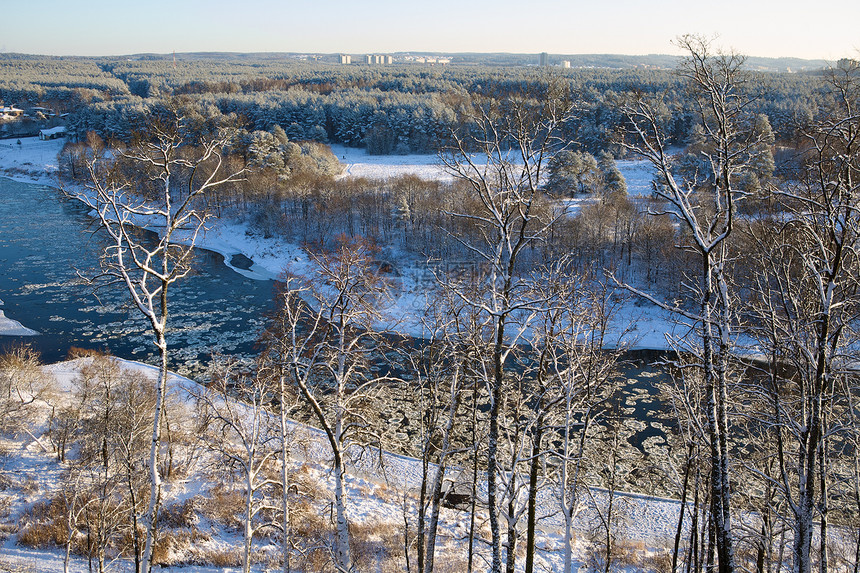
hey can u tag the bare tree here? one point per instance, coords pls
(807, 303)
(575, 378)
(326, 348)
(159, 184)
(105, 424)
(243, 433)
(704, 203)
(284, 348)
(75, 504)
(440, 368)
(22, 384)
(502, 162)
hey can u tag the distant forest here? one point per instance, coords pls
(387, 109)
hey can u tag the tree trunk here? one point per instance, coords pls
(511, 557)
(285, 479)
(717, 424)
(492, 449)
(344, 562)
(680, 528)
(154, 474)
(474, 486)
(436, 496)
(532, 510)
(247, 531)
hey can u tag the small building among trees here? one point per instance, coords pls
(10, 111)
(52, 133)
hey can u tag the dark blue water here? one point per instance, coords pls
(48, 243)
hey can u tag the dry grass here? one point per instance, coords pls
(17, 566)
(223, 506)
(229, 557)
(30, 485)
(178, 515)
(446, 562)
(377, 545)
(308, 522)
(309, 486)
(657, 561)
(43, 526)
(76, 352)
(633, 556)
(177, 547)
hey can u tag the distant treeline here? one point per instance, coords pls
(386, 109)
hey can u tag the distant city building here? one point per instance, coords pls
(432, 60)
(345, 59)
(378, 59)
(544, 59)
(565, 64)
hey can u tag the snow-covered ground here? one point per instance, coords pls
(33, 474)
(638, 174)
(33, 161)
(9, 327)
(357, 163)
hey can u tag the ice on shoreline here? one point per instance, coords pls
(9, 327)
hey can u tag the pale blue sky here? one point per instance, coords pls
(828, 29)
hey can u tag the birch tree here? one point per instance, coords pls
(22, 384)
(327, 353)
(576, 377)
(159, 183)
(286, 358)
(441, 369)
(704, 203)
(807, 306)
(244, 435)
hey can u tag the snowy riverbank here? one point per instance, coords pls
(36, 161)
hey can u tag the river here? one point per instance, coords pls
(49, 247)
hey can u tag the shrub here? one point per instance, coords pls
(229, 557)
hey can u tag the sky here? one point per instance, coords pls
(826, 29)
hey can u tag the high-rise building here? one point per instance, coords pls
(544, 59)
